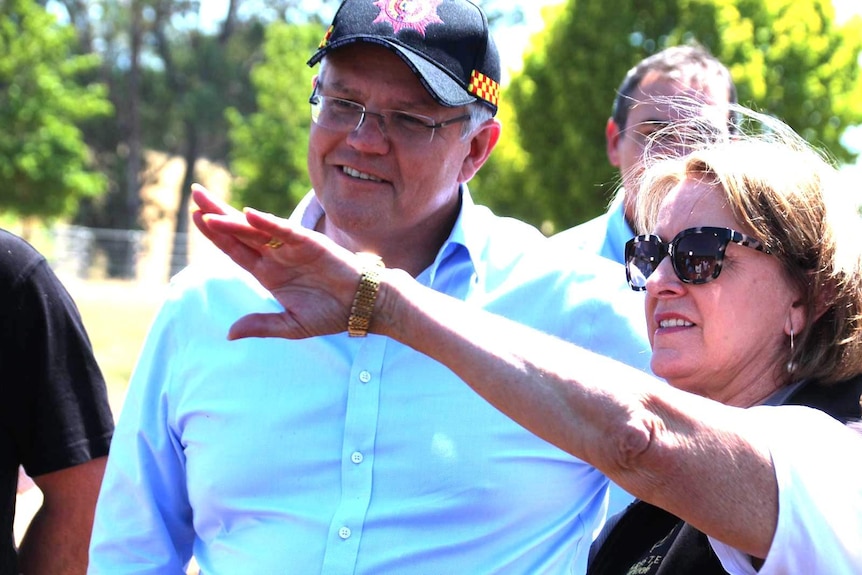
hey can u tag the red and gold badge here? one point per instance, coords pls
(413, 14)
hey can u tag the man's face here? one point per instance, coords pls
(658, 102)
(378, 192)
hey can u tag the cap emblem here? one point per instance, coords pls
(411, 14)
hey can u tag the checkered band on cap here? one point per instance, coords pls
(326, 37)
(484, 87)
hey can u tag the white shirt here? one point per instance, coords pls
(818, 466)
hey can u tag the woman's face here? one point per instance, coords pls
(726, 339)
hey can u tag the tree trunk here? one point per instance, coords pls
(180, 251)
(122, 255)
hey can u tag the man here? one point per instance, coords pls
(660, 89)
(343, 454)
(56, 420)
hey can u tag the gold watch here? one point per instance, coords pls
(366, 295)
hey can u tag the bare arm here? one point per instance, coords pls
(692, 456)
(58, 538)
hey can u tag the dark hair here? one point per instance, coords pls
(693, 59)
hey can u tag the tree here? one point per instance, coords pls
(204, 80)
(172, 77)
(788, 58)
(269, 146)
(45, 167)
(170, 80)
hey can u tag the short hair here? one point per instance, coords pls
(789, 196)
(689, 62)
(479, 114)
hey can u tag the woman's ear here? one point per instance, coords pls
(797, 318)
(824, 298)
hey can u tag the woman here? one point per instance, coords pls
(758, 303)
(791, 307)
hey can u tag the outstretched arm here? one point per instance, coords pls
(690, 455)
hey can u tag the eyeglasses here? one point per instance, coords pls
(666, 137)
(696, 254)
(342, 115)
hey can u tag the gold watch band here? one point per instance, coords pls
(366, 294)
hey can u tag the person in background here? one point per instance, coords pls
(56, 420)
(340, 454)
(655, 93)
(684, 79)
(748, 462)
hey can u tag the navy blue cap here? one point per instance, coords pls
(445, 42)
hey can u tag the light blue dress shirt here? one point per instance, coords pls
(605, 235)
(339, 455)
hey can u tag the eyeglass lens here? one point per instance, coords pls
(346, 116)
(695, 257)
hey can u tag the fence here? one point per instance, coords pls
(97, 253)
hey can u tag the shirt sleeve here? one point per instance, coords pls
(818, 469)
(143, 521)
(64, 418)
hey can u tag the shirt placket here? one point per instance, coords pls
(357, 457)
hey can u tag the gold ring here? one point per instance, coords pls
(274, 243)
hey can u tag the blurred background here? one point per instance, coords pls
(110, 109)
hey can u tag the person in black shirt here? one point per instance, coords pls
(55, 419)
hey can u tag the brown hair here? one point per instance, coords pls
(689, 63)
(788, 195)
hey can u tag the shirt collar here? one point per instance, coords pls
(619, 230)
(467, 239)
(307, 212)
(469, 235)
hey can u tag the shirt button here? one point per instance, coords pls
(364, 376)
(356, 457)
(344, 532)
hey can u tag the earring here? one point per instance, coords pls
(791, 365)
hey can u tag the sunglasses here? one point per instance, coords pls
(696, 254)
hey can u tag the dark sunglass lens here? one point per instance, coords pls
(695, 256)
(642, 258)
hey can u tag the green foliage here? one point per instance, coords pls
(44, 162)
(269, 146)
(505, 183)
(791, 60)
(788, 58)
